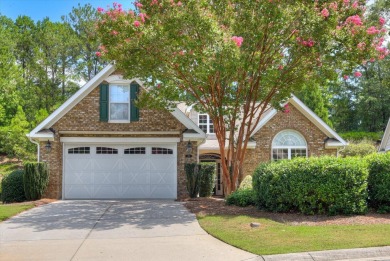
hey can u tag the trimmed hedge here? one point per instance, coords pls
(246, 183)
(12, 187)
(379, 181)
(207, 179)
(193, 179)
(325, 185)
(360, 149)
(361, 135)
(35, 179)
(242, 198)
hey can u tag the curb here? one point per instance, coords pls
(345, 254)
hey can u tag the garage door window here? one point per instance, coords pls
(138, 150)
(106, 150)
(79, 150)
(157, 150)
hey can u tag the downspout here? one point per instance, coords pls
(36, 143)
(339, 150)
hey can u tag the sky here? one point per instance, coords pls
(54, 9)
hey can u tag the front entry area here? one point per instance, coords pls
(215, 158)
(119, 171)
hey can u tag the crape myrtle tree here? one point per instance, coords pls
(234, 59)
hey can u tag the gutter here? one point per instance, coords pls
(36, 143)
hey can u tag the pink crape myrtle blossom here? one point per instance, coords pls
(346, 2)
(154, 2)
(355, 5)
(238, 40)
(361, 46)
(354, 19)
(114, 32)
(179, 3)
(382, 21)
(138, 5)
(372, 30)
(357, 74)
(286, 109)
(142, 17)
(325, 13)
(98, 54)
(100, 10)
(136, 23)
(333, 6)
(307, 43)
(346, 77)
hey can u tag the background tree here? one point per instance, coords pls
(235, 58)
(82, 19)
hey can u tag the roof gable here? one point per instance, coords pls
(104, 75)
(309, 114)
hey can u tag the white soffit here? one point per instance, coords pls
(88, 87)
(317, 121)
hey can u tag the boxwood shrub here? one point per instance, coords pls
(241, 197)
(325, 185)
(379, 181)
(207, 179)
(35, 179)
(12, 187)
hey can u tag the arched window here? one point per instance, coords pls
(288, 144)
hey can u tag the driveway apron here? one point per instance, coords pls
(111, 230)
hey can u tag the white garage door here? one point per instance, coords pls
(119, 171)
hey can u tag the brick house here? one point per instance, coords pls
(99, 145)
(385, 143)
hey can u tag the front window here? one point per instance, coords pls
(205, 123)
(119, 102)
(288, 144)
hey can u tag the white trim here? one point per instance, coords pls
(63, 172)
(88, 87)
(187, 122)
(208, 124)
(128, 103)
(122, 132)
(264, 120)
(72, 101)
(317, 121)
(385, 139)
(115, 140)
(288, 147)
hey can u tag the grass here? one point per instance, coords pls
(7, 211)
(278, 238)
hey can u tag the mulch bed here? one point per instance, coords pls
(217, 206)
(36, 203)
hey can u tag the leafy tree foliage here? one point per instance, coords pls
(235, 58)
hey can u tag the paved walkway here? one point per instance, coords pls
(111, 230)
(132, 230)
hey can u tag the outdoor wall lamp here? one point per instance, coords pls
(189, 150)
(48, 146)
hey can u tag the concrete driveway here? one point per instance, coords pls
(111, 230)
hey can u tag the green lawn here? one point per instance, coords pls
(277, 238)
(7, 211)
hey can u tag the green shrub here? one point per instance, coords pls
(193, 179)
(379, 181)
(324, 185)
(12, 187)
(363, 148)
(207, 179)
(246, 183)
(241, 197)
(35, 179)
(361, 135)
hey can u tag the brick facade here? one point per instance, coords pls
(85, 117)
(294, 120)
